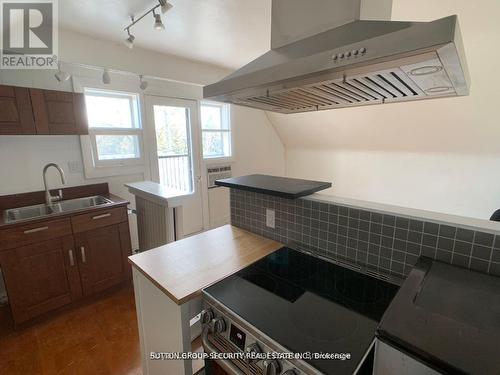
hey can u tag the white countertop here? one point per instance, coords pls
(160, 194)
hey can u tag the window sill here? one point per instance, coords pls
(92, 171)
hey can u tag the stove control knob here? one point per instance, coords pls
(291, 372)
(218, 325)
(206, 316)
(252, 350)
(272, 367)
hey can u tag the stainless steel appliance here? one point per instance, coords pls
(329, 54)
(291, 303)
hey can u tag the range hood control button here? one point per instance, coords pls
(362, 50)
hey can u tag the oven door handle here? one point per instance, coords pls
(227, 366)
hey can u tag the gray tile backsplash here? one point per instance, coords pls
(385, 243)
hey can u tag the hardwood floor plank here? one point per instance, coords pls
(99, 338)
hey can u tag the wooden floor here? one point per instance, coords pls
(98, 338)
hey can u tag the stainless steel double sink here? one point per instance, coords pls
(42, 210)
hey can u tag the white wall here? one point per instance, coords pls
(441, 155)
(82, 49)
(257, 149)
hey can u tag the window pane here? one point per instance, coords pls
(216, 144)
(109, 111)
(111, 147)
(171, 130)
(211, 117)
(172, 139)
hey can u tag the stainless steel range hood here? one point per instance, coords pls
(312, 66)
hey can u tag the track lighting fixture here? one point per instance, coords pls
(164, 6)
(143, 84)
(129, 42)
(158, 25)
(61, 75)
(106, 78)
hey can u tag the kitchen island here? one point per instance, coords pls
(168, 281)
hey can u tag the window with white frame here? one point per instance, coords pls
(114, 127)
(215, 130)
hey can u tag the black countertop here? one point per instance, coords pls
(284, 187)
(448, 317)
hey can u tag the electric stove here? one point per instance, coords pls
(293, 302)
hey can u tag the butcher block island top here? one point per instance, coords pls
(183, 268)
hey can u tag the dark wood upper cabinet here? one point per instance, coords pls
(16, 114)
(28, 111)
(59, 112)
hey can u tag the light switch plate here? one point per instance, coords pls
(75, 167)
(270, 218)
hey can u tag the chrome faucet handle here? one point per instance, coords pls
(58, 197)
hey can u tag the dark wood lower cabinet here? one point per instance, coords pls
(41, 277)
(101, 254)
(48, 267)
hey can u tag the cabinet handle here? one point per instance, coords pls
(35, 230)
(100, 216)
(71, 259)
(82, 251)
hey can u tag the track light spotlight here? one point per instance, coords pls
(158, 25)
(61, 75)
(143, 84)
(106, 78)
(165, 6)
(129, 42)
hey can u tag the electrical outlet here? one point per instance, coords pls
(270, 218)
(75, 167)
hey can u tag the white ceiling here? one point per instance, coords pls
(228, 33)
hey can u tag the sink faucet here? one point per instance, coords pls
(49, 199)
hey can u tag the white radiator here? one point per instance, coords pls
(154, 224)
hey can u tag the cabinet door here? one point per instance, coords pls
(59, 112)
(40, 277)
(102, 254)
(16, 115)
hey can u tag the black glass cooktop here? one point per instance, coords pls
(308, 305)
